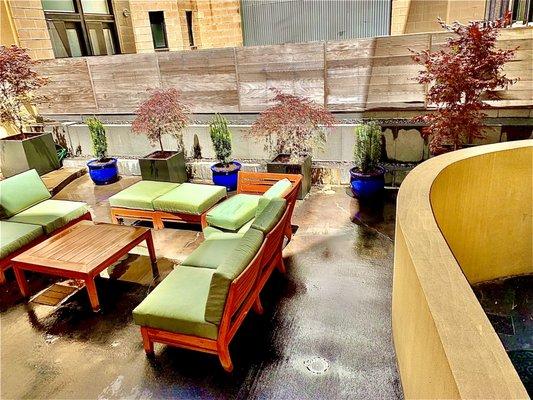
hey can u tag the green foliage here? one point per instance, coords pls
(221, 138)
(367, 149)
(98, 137)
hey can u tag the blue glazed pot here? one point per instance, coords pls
(103, 173)
(367, 185)
(224, 176)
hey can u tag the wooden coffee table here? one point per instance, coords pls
(82, 252)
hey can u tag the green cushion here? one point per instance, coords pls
(211, 253)
(234, 212)
(227, 271)
(278, 189)
(190, 198)
(140, 195)
(20, 192)
(15, 235)
(210, 232)
(177, 304)
(270, 216)
(51, 214)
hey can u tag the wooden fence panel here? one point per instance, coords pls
(207, 78)
(292, 68)
(69, 90)
(121, 82)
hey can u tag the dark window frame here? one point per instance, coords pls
(189, 19)
(495, 9)
(164, 28)
(84, 20)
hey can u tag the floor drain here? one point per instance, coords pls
(317, 365)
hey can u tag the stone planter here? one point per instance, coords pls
(166, 166)
(34, 151)
(283, 165)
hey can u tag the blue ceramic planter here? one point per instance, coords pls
(367, 185)
(103, 173)
(227, 177)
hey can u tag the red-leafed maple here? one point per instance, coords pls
(463, 73)
(18, 86)
(297, 123)
(162, 113)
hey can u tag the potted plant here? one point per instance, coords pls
(367, 178)
(225, 171)
(298, 125)
(102, 170)
(460, 75)
(163, 113)
(19, 85)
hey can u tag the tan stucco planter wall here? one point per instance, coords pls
(462, 218)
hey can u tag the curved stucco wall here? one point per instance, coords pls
(474, 207)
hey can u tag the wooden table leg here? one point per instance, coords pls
(151, 252)
(22, 282)
(93, 296)
(2, 276)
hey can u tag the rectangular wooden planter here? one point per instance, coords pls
(303, 167)
(35, 151)
(168, 169)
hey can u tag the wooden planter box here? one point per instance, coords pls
(36, 151)
(166, 166)
(281, 165)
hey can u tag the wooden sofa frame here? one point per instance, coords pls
(5, 262)
(242, 296)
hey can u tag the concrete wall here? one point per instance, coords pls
(445, 345)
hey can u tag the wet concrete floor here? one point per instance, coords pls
(325, 333)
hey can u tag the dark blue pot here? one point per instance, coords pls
(103, 173)
(367, 185)
(226, 176)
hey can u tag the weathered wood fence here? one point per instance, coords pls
(354, 75)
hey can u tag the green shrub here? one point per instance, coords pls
(221, 138)
(98, 137)
(367, 148)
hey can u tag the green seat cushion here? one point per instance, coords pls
(232, 266)
(210, 232)
(211, 253)
(20, 192)
(278, 189)
(190, 198)
(270, 216)
(140, 195)
(51, 214)
(177, 304)
(234, 212)
(15, 235)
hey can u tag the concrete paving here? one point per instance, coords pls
(325, 333)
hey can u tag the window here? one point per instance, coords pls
(159, 34)
(81, 27)
(188, 17)
(521, 10)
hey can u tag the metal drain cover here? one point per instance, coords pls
(317, 365)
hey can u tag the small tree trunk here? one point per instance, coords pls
(160, 141)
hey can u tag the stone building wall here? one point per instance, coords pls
(219, 23)
(31, 29)
(417, 16)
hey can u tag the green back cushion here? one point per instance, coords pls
(277, 191)
(20, 192)
(227, 271)
(270, 216)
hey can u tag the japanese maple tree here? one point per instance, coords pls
(162, 113)
(18, 86)
(466, 71)
(298, 123)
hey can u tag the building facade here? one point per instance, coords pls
(73, 28)
(418, 16)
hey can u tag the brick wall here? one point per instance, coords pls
(28, 17)
(141, 23)
(219, 23)
(417, 16)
